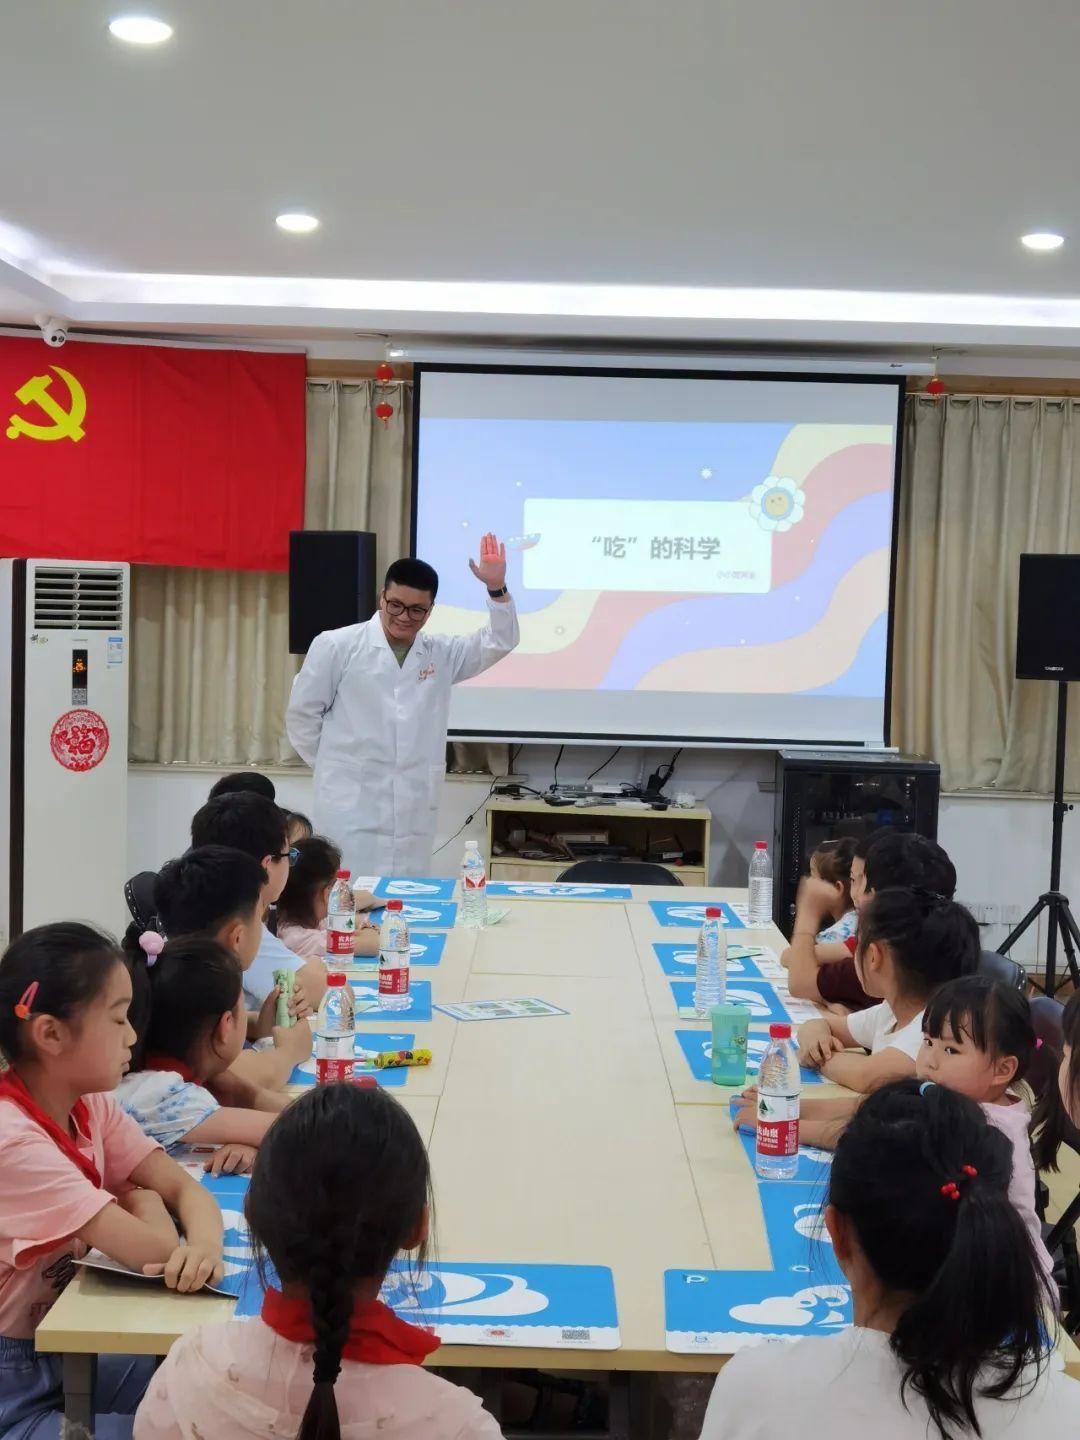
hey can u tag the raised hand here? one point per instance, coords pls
(492, 567)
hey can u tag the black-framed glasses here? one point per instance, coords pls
(292, 855)
(414, 612)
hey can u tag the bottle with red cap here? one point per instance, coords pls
(395, 951)
(340, 923)
(760, 887)
(710, 984)
(335, 1032)
(779, 1086)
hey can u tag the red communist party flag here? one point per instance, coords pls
(155, 454)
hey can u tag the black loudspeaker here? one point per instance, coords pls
(332, 582)
(1047, 633)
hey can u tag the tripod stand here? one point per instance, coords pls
(1059, 917)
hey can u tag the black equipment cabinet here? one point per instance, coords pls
(821, 795)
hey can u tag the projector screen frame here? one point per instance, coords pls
(697, 742)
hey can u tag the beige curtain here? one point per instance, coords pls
(210, 665)
(984, 480)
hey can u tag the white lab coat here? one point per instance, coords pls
(374, 733)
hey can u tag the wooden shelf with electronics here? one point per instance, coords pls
(527, 840)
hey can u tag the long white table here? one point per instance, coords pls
(577, 1139)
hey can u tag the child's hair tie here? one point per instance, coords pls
(151, 944)
(25, 1003)
(951, 1190)
(925, 1086)
(1039, 1043)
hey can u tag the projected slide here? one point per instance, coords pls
(691, 558)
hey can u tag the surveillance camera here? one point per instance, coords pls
(53, 331)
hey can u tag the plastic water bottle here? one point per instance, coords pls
(473, 888)
(760, 887)
(779, 1084)
(340, 923)
(394, 955)
(710, 984)
(335, 1032)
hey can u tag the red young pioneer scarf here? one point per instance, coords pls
(12, 1088)
(170, 1062)
(376, 1335)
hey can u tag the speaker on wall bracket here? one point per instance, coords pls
(332, 582)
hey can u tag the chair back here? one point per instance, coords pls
(139, 895)
(618, 872)
(1003, 968)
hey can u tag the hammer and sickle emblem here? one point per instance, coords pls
(66, 424)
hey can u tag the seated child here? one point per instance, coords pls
(826, 971)
(303, 902)
(250, 823)
(244, 780)
(978, 1039)
(950, 1335)
(910, 944)
(217, 892)
(193, 1032)
(298, 827)
(831, 864)
(340, 1188)
(75, 1172)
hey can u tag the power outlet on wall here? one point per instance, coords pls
(986, 912)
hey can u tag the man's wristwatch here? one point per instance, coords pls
(498, 594)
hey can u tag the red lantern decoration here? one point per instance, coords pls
(384, 372)
(935, 386)
(383, 411)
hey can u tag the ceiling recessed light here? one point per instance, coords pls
(1042, 240)
(140, 29)
(297, 223)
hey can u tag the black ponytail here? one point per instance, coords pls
(977, 1324)
(1055, 1121)
(192, 984)
(366, 1183)
(931, 939)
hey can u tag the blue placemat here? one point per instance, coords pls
(681, 961)
(795, 1225)
(697, 1047)
(716, 1312)
(229, 1191)
(365, 1040)
(546, 1306)
(426, 949)
(366, 990)
(539, 890)
(403, 888)
(425, 914)
(765, 1006)
(685, 916)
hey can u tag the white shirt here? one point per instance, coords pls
(849, 1384)
(164, 1105)
(875, 1030)
(272, 955)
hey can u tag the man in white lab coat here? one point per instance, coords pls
(368, 712)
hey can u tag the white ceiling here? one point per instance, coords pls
(749, 149)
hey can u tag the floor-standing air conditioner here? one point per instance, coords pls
(63, 775)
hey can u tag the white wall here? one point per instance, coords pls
(999, 844)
